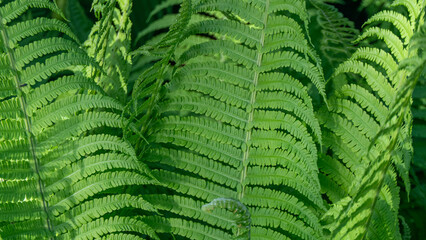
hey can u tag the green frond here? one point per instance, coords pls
(274, 61)
(75, 126)
(162, 6)
(7, 88)
(212, 119)
(267, 198)
(107, 226)
(197, 187)
(366, 100)
(280, 176)
(48, 92)
(368, 130)
(238, 32)
(67, 106)
(407, 231)
(336, 171)
(378, 56)
(40, 71)
(283, 24)
(214, 150)
(204, 127)
(283, 221)
(165, 21)
(414, 8)
(242, 9)
(236, 75)
(156, 25)
(236, 121)
(292, 6)
(282, 40)
(191, 208)
(263, 233)
(88, 186)
(412, 205)
(199, 165)
(238, 53)
(58, 175)
(216, 89)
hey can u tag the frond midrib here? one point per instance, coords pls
(30, 136)
(253, 100)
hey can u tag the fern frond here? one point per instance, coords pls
(237, 122)
(374, 6)
(374, 197)
(368, 130)
(58, 174)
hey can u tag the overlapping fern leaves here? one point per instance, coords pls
(59, 170)
(368, 131)
(109, 44)
(224, 130)
(223, 106)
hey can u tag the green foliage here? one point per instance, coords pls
(337, 35)
(219, 125)
(109, 44)
(212, 119)
(59, 171)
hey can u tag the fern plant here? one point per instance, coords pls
(59, 173)
(222, 131)
(214, 119)
(363, 117)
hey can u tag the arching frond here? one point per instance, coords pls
(55, 164)
(212, 119)
(368, 130)
(237, 122)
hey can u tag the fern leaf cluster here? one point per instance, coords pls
(212, 119)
